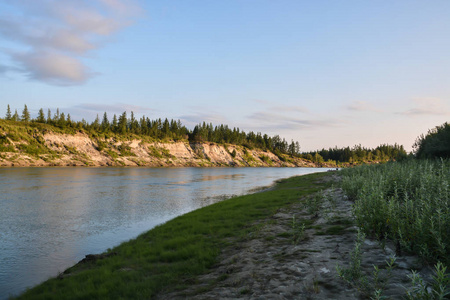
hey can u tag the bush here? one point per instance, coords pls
(406, 202)
(435, 144)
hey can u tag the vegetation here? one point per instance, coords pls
(407, 202)
(357, 154)
(169, 256)
(435, 144)
(159, 129)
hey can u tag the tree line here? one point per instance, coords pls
(357, 154)
(161, 129)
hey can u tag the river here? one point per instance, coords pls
(50, 218)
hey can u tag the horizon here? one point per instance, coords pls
(325, 74)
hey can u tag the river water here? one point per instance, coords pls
(50, 218)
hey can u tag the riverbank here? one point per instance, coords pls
(23, 145)
(284, 243)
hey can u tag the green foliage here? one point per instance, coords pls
(8, 113)
(373, 284)
(407, 202)
(265, 159)
(358, 154)
(298, 231)
(125, 150)
(165, 130)
(26, 114)
(435, 144)
(439, 289)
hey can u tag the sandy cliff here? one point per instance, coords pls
(57, 149)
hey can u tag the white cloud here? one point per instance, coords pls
(53, 68)
(269, 120)
(53, 36)
(428, 106)
(360, 106)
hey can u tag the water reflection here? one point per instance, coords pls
(51, 217)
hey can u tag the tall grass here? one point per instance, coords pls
(408, 202)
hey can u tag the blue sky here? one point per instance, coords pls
(325, 73)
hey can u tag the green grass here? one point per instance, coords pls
(171, 255)
(408, 202)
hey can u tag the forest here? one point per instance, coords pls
(166, 130)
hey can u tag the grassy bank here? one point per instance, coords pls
(407, 202)
(170, 256)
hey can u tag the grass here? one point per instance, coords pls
(408, 202)
(171, 255)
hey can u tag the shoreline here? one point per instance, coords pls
(274, 243)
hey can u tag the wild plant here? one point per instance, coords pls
(408, 202)
(298, 231)
(438, 289)
(354, 276)
(314, 204)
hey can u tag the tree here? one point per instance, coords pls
(8, 113)
(49, 116)
(105, 122)
(41, 117)
(114, 123)
(25, 114)
(435, 144)
(122, 124)
(15, 117)
(56, 116)
(62, 120)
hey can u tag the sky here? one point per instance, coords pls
(324, 73)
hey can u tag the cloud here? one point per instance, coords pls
(53, 68)
(113, 108)
(428, 106)
(274, 121)
(360, 106)
(282, 108)
(203, 116)
(51, 37)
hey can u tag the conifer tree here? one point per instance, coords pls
(49, 116)
(15, 117)
(114, 123)
(8, 113)
(105, 122)
(25, 114)
(62, 120)
(122, 125)
(41, 117)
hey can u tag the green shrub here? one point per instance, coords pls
(405, 201)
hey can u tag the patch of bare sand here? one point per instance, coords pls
(272, 264)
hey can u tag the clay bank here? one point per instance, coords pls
(37, 148)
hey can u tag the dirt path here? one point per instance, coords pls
(284, 260)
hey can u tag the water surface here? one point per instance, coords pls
(50, 218)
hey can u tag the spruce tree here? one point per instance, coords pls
(15, 117)
(41, 117)
(105, 122)
(114, 123)
(25, 114)
(8, 113)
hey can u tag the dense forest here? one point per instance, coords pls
(166, 129)
(358, 154)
